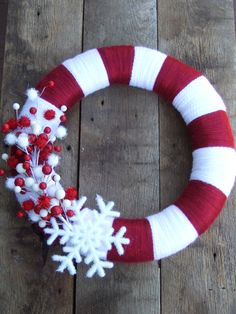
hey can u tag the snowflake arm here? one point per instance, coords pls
(88, 236)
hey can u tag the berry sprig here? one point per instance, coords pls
(31, 163)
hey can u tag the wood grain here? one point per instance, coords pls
(122, 133)
(119, 155)
(39, 35)
(200, 279)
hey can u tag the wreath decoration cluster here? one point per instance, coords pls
(100, 237)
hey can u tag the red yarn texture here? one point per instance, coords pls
(173, 77)
(65, 91)
(140, 248)
(118, 61)
(212, 129)
(201, 203)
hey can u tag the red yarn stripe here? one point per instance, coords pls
(118, 61)
(173, 77)
(201, 203)
(212, 129)
(66, 90)
(140, 248)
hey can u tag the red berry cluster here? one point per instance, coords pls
(20, 163)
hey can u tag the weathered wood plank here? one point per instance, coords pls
(201, 279)
(119, 155)
(3, 24)
(39, 35)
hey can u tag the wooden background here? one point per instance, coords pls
(126, 145)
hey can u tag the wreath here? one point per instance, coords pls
(100, 237)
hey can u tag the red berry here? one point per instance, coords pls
(71, 193)
(12, 161)
(49, 147)
(5, 128)
(12, 123)
(49, 114)
(33, 110)
(41, 140)
(20, 214)
(30, 149)
(24, 122)
(47, 169)
(19, 152)
(27, 157)
(26, 165)
(51, 83)
(57, 148)
(47, 130)
(28, 205)
(63, 118)
(44, 202)
(32, 138)
(70, 213)
(43, 156)
(2, 172)
(37, 209)
(19, 181)
(43, 185)
(56, 210)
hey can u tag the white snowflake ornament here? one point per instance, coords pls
(87, 236)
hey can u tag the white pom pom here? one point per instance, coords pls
(20, 169)
(43, 213)
(35, 187)
(51, 190)
(17, 189)
(61, 132)
(66, 203)
(54, 202)
(53, 138)
(32, 93)
(63, 108)
(53, 160)
(36, 128)
(23, 140)
(56, 178)
(10, 139)
(33, 216)
(38, 172)
(16, 106)
(74, 203)
(5, 156)
(60, 194)
(42, 223)
(10, 183)
(29, 182)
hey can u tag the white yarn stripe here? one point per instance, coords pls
(198, 98)
(146, 66)
(171, 232)
(42, 105)
(216, 166)
(89, 71)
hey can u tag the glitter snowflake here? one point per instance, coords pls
(87, 236)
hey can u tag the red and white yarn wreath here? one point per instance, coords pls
(99, 237)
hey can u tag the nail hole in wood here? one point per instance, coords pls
(92, 119)
(38, 13)
(102, 102)
(214, 256)
(68, 147)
